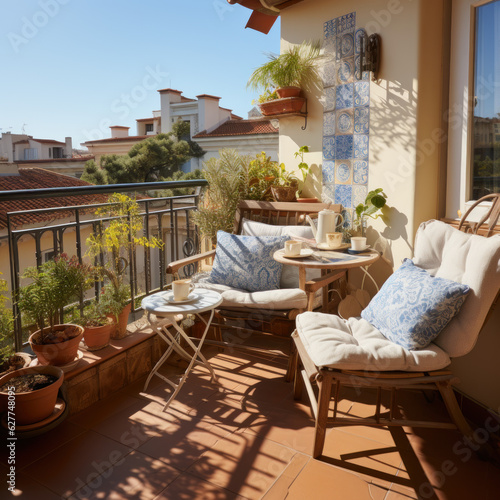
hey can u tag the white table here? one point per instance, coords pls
(167, 313)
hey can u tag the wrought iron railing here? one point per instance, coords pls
(167, 218)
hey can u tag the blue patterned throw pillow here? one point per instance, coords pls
(412, 307)
(246, 262)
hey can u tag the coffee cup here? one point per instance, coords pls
(293, 247)
(358, 243)
(182, 289)
(333, 240)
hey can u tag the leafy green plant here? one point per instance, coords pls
(6, 325)
(375, 201)
(53, 285)
(227, 177)
(93, 315)
(297, 66)
(266, 96)
(116, 239)
(286, 178)
(303, 166)
(262, 174)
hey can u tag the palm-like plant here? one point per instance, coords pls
(295, 67)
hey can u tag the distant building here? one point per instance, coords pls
(211, 125)
(24, 150)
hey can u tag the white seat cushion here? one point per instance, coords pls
(277, 300)
(354, 344)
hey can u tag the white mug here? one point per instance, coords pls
(333, 240)
(358, 243)
(182, 289)
(293, 247)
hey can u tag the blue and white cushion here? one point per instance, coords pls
(246, 262)
(412, 307)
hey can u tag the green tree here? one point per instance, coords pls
(153, 159)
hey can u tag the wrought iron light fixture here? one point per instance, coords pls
(370, 55)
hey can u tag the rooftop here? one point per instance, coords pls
(240, 127)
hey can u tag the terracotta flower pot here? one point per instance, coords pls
(282, 106)
(97, 337)
(284, 92)
(58, 354)
(121, 327)
(34, 406)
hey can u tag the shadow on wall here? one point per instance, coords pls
(313, 182)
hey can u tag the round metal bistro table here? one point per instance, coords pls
(167, 313)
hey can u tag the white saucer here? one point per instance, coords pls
(305, 252)
(169, 297)
(324, 246)
(355, 252)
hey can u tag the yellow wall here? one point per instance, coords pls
(405, 108)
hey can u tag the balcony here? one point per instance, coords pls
(244, 437)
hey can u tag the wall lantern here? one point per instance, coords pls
(370, 55)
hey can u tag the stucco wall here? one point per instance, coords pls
(405, 109)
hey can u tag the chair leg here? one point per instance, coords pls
(298, 381)
(292, 363)
(325, 391)
(454, 411)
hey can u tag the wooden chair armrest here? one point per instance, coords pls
(315, 284)
(173, 267)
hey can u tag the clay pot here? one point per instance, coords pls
(121, 327)
(58, 354)
(284, 92)
(97, 337)
(34, 406)
(282, 106)
(284, 193)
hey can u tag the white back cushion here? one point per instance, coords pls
(290, 274)
(466, 258)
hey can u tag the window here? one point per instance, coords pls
(30, 154)
(149, 127)
(48, 255)
(486, 118)
(57, 152)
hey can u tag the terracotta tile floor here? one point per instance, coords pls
(244, 437)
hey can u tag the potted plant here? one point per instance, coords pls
(115, 240)
(9, 360)
(293, 71)
(285, 186)
(97, 326)
(35, 392)
(262, 173)
(54, 285)
(304, 169)
(375, 201)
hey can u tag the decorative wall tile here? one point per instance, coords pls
(329, 123)
(345, 46)
(345, 122)
(343, 147)
(329, 148)
(360, 175)
(358, 195)
(346, 23)
(328, 171)
(362, 120)
(361, 147)
(343, 171)
(343, 195)
(345, 71)
(330, 74)
(345, 96)
(328, 194)
(346, 119)
(329, 98)
(330, 28)
(361, 93)
(357, 40)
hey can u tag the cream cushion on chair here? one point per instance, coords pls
(354, 344)
(277, 300)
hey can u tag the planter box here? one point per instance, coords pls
(282, 106)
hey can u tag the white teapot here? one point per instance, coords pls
(327, 223)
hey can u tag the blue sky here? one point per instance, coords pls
(74, 67)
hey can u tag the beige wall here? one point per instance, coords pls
(405, 108)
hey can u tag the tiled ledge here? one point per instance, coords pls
(101, 373)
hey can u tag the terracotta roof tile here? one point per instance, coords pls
(134, 138)
(37, 178)
(240, 127)
(48, 141)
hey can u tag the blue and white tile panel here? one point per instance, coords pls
(346, 119)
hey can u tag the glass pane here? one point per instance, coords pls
(486, 131)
